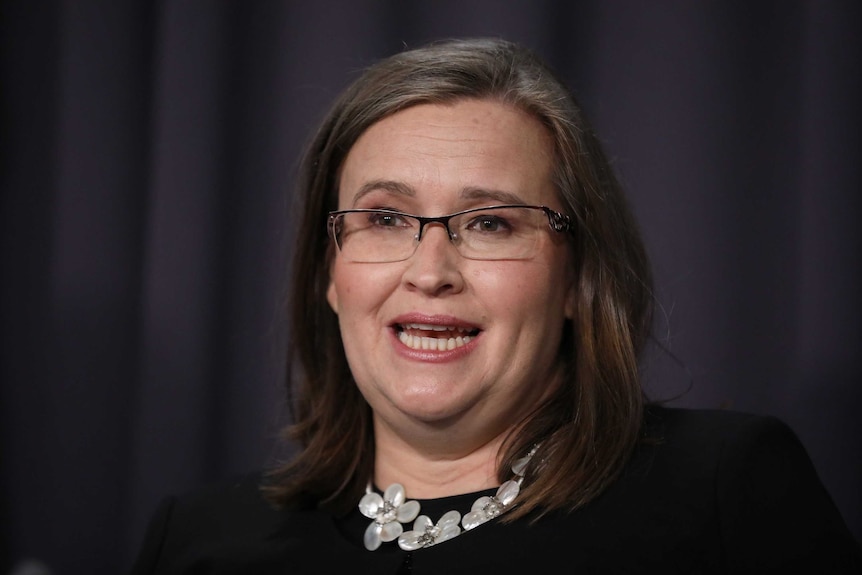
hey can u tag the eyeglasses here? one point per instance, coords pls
(507, 232)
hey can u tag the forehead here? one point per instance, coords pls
(443, 152)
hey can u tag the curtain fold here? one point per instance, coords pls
(148, 156)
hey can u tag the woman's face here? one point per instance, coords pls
(433, 160)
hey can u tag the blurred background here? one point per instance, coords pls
(148, 157)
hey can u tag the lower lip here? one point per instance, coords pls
(433, 356)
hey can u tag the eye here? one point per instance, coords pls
(490, 224)
(387, 220)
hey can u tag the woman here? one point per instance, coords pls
(470, 301)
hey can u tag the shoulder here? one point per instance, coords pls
(731, 441)
(735, 453)
(703, 442)
(731, 447)
(709, 425)
(221, 505)
(771, 510)
(226, 519)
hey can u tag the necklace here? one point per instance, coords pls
(391, 511)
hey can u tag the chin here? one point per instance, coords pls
(425, 407)
(435, 403)
(439, 419)
(429, 411)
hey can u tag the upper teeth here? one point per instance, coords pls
(429, 327)
(433, 343)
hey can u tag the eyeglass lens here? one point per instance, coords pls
(499, 233)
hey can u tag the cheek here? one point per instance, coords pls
(356, 289)
(534, 286)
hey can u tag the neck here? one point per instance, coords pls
(432, 469)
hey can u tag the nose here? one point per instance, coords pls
(435, 266)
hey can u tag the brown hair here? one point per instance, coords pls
(588, 427)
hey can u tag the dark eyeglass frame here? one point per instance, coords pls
(558, 222)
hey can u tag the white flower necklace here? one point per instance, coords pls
(392, 510)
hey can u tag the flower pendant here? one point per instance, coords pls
(388, 513)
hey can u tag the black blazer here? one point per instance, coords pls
(719, 492)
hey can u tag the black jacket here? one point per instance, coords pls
(719, 492)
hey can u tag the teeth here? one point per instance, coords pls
(433, 343)
(429, 327)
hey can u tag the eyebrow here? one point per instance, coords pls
(475, 193)
(468, 193)
(391, 186)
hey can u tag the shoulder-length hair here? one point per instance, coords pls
(588, 427)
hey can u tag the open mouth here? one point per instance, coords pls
(434, 337)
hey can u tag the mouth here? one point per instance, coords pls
(434, 337)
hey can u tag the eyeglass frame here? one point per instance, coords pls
(557, 221)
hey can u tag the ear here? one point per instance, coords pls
(332, 295)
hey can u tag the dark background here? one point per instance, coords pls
(149, 150)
